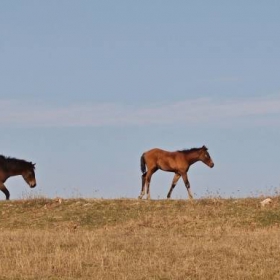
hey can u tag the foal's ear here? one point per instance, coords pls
(204, 148)
(33, 164)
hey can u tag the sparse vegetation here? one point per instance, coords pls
(132, 239)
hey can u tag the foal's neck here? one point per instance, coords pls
(193, 157)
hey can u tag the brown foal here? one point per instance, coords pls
(178, 162)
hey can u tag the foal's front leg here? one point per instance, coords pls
(5, 191)
(174, 182)
(187, 184)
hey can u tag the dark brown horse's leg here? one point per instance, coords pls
(174, 182)
(187, 184)
(143, 186)
(5, 191)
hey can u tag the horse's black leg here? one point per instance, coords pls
(143, 185)
(187, 184)
(5, 191)
(174, 182)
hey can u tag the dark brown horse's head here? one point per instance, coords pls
(205, 157)
(29, 175)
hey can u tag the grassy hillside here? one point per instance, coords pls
(132, 239)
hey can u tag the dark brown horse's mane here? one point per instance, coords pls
(186, 151)
(14, 163)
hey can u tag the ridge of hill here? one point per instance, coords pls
(138, 239)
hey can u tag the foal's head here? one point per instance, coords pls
(205, 157)
(28, 174)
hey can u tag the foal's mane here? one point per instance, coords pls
(186, 151)
(10, 162)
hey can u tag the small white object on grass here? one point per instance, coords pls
(265, 202)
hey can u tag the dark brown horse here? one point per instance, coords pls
(13, 167)
(178, 162)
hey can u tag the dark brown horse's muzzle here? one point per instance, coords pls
(32, 184)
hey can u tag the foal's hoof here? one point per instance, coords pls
(139, 197)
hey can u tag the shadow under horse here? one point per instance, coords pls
(178, 162)
(13, 167)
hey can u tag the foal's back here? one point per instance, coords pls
(157, 154)
(165, 160)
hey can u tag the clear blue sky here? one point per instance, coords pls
(87, 86)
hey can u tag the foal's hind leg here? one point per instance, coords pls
(5, 191)
(174, 182)
(148, 181)
(143, 185)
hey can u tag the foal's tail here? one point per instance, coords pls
(143, 164)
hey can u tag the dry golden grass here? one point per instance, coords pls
(131, 239)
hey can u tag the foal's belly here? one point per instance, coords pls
(169, 165)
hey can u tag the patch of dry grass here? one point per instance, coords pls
(131, 239)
